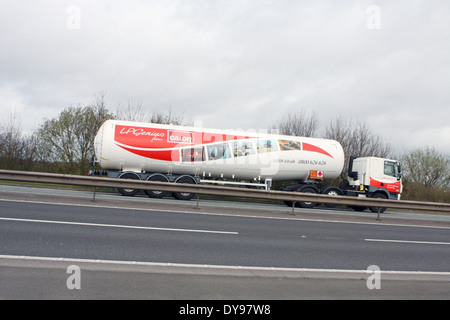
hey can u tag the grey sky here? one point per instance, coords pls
(235, 63)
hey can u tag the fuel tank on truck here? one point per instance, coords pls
(213, 153)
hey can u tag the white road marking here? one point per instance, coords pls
(220, 214)
(407, 241)
(117, 226)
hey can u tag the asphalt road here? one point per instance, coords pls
(235, 252)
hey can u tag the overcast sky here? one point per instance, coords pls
(239, 64)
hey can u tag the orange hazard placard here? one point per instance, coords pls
(315, 174)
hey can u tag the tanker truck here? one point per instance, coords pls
(180, 154)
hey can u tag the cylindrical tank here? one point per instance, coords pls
(212, 153)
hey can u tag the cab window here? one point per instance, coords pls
(391, 168)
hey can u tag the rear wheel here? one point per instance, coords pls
(359, 209)
(129, 192)
(157, 193)
(184, 195)
(307, 204)
(332, 191)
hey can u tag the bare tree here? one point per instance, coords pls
(298, 124)
(17, 151)
(168, 118)
(365, 142)
(10, 138)
(340, 130)
(427, 166)
(68, 139)
(356, 138)
(134, 111)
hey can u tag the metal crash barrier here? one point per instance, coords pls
(295, 197)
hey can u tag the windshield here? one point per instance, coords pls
(392, 168)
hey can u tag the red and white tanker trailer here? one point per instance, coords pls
(179, 154)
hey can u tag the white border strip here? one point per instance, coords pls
(224, 270)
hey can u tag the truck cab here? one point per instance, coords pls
(375, 177)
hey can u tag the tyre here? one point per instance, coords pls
(359, 209)
(184, 195)
(129, 192)
(307, 204)
(378, 195)
(331, 191)
(157, 193)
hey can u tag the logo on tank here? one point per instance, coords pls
(181, 137)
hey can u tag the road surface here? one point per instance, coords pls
(165, 249)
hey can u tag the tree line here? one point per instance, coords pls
(64, 144)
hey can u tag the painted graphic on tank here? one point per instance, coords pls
(166, 144)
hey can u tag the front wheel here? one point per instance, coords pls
(378, 195)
